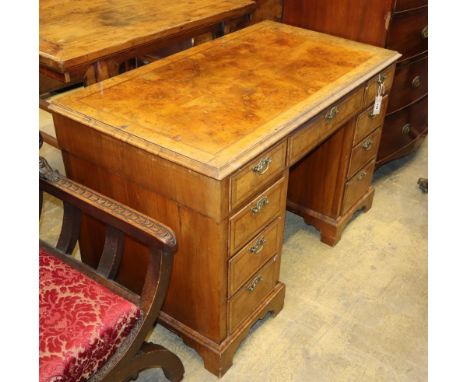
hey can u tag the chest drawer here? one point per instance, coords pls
(409, 85)
(367, 122)
(372, 85)
(256, 253)
(258, 172)
(403, 5)
(357, 186)
(244, 302)
(364, 152)
(408, 32)
(256, 214)
(324, 125)
(402, 127)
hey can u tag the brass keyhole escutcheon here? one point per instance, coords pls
(416, 82)
(262, 166)
(406, 129)
(262, 203)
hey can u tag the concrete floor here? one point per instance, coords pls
(355, 312)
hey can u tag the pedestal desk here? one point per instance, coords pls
(204, 141)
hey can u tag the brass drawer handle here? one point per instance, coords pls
(254, 283)
(406, 129)
(381, 78)
(425, 32)
(372, 115)
(260, 205)
(262, 167)
(367, 144)
(362, 175)
(416, 82)
(331, 114)
(258, 246)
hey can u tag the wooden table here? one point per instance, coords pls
(205, 140)
(88, 39)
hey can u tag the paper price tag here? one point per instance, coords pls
(377, 105)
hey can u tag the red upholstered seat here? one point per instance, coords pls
(81, 323)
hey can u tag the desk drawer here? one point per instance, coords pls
(323, 125)
(409, 85)
(258, 172)
(366, 122)
(357, 186)
(408, 32)
(256, 214)
(244, 302)
(373, 84)
(256, 253)
(364, 152)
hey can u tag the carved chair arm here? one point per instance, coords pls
(131, 222)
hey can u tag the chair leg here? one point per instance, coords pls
(154, 356)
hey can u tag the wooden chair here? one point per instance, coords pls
(112, 321)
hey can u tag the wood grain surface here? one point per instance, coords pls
(216, 106)
(76, 32)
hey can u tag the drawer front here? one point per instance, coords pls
(258, 172)
(372, 85)
(403, 127)
(408, 32)
(367, 122)
(323, 125)
(256, 253)
(255, 215)
(403, 5)
(357, 186)
(409, 85)
(244, 302)
(364, 152)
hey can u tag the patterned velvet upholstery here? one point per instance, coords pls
(81, 322)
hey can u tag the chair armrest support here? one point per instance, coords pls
(143, 228)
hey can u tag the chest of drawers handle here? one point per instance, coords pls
(262, 166)
(367, 144)
(258, 246)
(425, 32)
(416, 82)
(262, 203)
(331, 114)
(254, 283)
(362, 175)
(405, 130)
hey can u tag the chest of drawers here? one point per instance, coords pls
(203, 141)
(399, 25)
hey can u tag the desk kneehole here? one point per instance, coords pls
(252, 293)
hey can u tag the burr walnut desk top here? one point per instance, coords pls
(74, 34)
(203, 141)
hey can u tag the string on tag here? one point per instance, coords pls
(379, 97)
